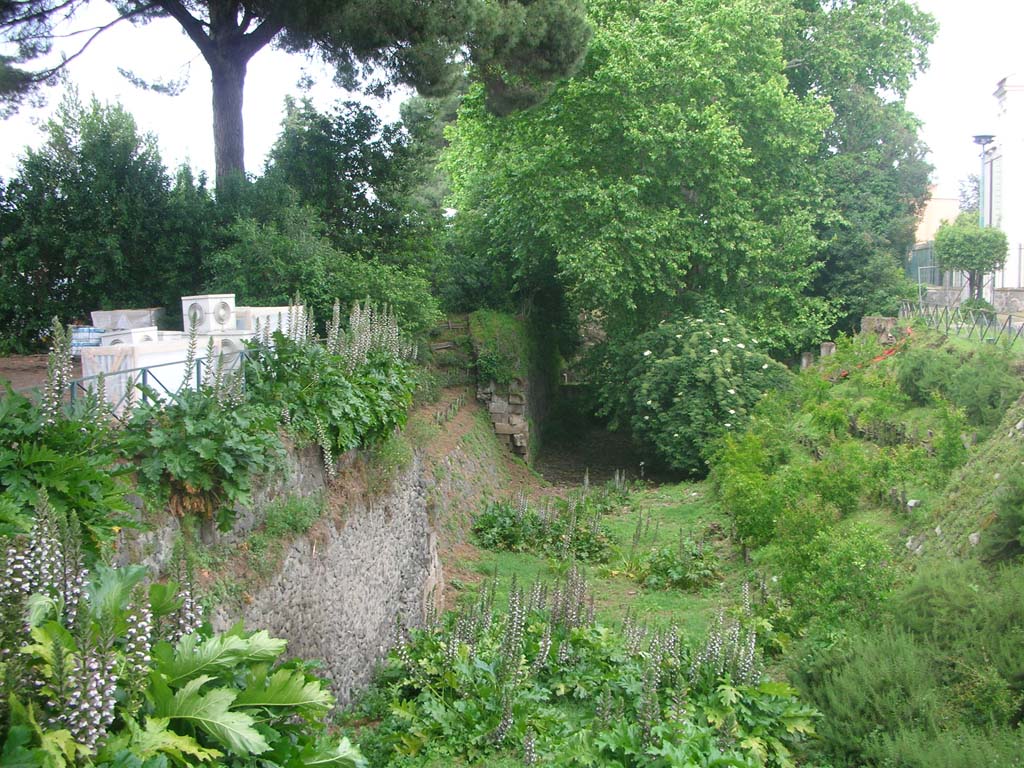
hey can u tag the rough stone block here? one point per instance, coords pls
(498, 405)
(517, 398)
(505, 429)
(517, 409)
(517, 420)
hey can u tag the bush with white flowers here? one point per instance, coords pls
(694, 379)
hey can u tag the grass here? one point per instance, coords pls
(665, 512)
(504, 339)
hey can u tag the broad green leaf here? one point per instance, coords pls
(286, 688)
(17, 752)
(156, 738)
(342, 754)
(111, 588)
(773, 688)
(164, 599)
(211, 712)
(194, 656)
(60, 748)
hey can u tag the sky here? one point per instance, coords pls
(978, 44)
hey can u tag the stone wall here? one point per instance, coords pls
(1009, 300)
(342, 588)
(508, 407)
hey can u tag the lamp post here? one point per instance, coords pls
(983, 140)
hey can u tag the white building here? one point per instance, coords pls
(1003, 193)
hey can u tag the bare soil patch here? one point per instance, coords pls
(24, 372)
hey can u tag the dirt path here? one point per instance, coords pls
(28, 371)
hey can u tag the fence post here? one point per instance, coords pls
(145, 383)
(199, 374)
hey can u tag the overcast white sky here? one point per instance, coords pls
(979, 43)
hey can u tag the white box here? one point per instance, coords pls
(132, 336)
(210, 313)
(122, 319)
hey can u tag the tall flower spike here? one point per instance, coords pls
(58, 373)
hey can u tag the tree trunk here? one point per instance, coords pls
(228, 137)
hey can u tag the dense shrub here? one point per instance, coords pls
(62, 453)
(566, 528)
(940, 679)
(270, 259)
(980, 382)
(354, 389)
(200, 452)
(683, 383)
(1004, 538)
(848, 575)
(690, 381)
(688, 564)
(741, 475)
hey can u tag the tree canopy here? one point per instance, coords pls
(91, 220)
(674, 162)
(517, 49)
(863, 56)
(965, 245)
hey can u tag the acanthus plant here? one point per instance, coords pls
(62, 452)
(545, 682)
(117, 672)
(351, 389)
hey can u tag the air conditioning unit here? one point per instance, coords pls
(131, 336)
(209, 313)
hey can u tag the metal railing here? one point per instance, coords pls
(980, 324)
(120, 387)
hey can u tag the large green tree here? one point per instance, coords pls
(863, 55)
(91, 220)
(360, 175)
(676, 162)
(517, 48)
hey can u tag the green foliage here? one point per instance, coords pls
(321, 396)
(1004, 538)
(939, 683)
(200, 453)
(544, 682)
(636, 182)
(847, 574)
(981, 382)
(978, 304)
(283, 520)
(741, 476)
(90, 221)
(567, 529)
(922, 372)
(503, 349)
(66, 458)
(125, 677)
(386, 460)
(358, 174)
(688, 382)
(277, 248)
(688, 565)
(950, 451)
(965, 245)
